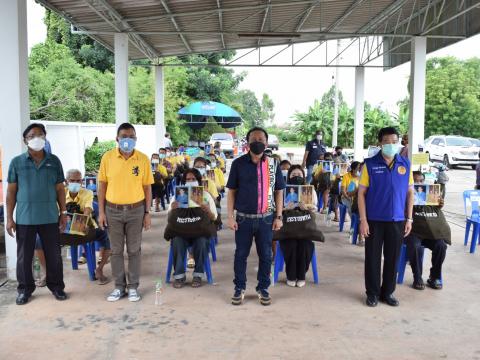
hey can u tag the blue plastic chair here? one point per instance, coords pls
(280, 260)
(355, 225)
(212, 248)
(319, 201)
(472, 198)
(89, 254)
(343, 215)
(208, 269)
(402, 263)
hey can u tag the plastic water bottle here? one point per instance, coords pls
(159, 292)
(36, 269)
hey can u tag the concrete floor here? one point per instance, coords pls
(328, 321)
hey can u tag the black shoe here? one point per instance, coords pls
(238, 296)
(22, 299)
(389, 300)
(372, 301)
(264, 297)
(435, 284)
(59, 295)
(418, 284)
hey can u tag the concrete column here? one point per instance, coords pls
(14, 98)
(359, 113)
(121, 78)
(416, 132)
(159, 107)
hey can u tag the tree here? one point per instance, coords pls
(267, 114)
(249, 108)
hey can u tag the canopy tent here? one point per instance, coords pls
(197, 114)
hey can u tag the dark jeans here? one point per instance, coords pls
(26, 237)
(415, 255)
(200, 250)
(389, 236)
(261, 229)
(297, 255)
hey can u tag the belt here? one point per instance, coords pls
(254, 216)
(125, 206)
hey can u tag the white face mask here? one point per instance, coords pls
(284, 173)
(191, 183)
(319, 137)
(36, 144)
(213, 164)
(155, 161)
(202, 171)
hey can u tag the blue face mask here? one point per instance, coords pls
(74, 187)
(127, 144)
(390, 150)
(161, 156)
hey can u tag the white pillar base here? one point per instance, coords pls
(359, 113)
(14, 98)
(121, 78)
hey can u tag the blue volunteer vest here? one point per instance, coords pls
(387, 194)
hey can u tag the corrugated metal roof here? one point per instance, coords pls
(159, 28)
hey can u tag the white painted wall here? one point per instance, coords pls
(70, 139)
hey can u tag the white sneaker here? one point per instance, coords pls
(115, 295)
(291, 283)
(133, 295)
(300, 283)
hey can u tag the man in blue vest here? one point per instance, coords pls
(385, 196)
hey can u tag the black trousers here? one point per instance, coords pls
(415, 255)
(389, 236)
(50, 235)
(297, 255)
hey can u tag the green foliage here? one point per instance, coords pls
(452, 104)
(94, 153)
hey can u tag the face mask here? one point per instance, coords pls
(390, 150)
(213, 164)
(162, 156)
(191, 183)
(127, 144)
(181, 150)
(284, 173)
(339, 153)
(74, 187)
(168, 154)
(358, 173)
(296, 180)
(202, 171)
(319, 137)
(36, 144)
(155, 161)
(257, 147)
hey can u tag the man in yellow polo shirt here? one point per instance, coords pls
(124, 198)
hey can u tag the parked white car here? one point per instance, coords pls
(273, 142)
(226, 140)
(451, 150)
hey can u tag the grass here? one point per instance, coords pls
(290, 144)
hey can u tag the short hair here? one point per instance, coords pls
(327, 154)
(33, 126)
(295, 167)
(162, 149)
(285, 162)
(338, 147)
(71, 172)
(318, 132)
(125, 126)
(167, 134)
(418, 173)
(212, 154)
(256, 128)
(202, 159)
(389, 130)
(195, 173)
(355, 165)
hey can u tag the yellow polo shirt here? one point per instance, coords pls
(125, 178)
(162, 170)
(84, 198)
(219, 178)
(365, 179)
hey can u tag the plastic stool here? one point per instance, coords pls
(212, 248)
(355, 226)
(208, 269)
(402, 263)
(475, 234)
(279, 261)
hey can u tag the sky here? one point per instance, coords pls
(295, 89)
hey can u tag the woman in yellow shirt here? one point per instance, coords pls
(349, 186)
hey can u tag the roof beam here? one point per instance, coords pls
(220, 21)
(113, 18)
(383, 15)
(265, 16)
(305, 16)
(345, 15)
(174, 22)
(279, 4)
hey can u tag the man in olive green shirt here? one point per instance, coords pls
(36, 189)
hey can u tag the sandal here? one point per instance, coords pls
(196, 282)
(179, 283)
(419, 285)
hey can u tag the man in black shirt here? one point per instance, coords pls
(313, 150)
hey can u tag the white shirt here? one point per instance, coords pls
(167, 142)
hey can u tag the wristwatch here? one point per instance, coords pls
(147, 212)
(64, 212)
(410, 220)
(279, 217)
